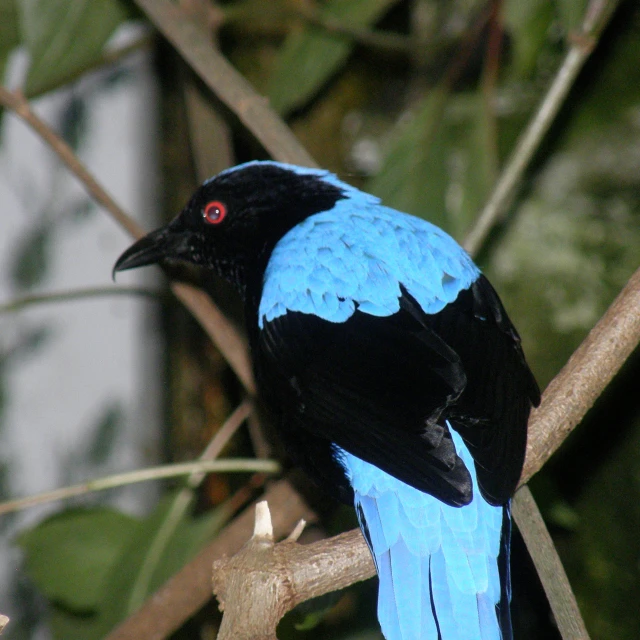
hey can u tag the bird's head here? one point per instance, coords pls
(234, 220)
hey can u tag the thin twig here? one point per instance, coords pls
(597, 16)
(19, 105)
(222, 332)
(17, 304)
(232, 465)
(548, 566)
(238, 95)
(187, 591)
(179, 507)
(375, 39)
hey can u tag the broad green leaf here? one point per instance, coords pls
(9, 32)
(156, 554)
(31, 259)
(311, 55)
(528, 25)
(413, 177)
(69, 555)
(64, 37)
(571, 13)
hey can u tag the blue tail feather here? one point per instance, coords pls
(437, 565)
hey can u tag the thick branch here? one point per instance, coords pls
(263, 581)
(575, 391)
(192, 39)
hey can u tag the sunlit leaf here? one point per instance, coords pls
(311, 55)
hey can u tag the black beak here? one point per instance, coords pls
(164, 243)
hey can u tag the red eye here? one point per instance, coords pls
(214, 212)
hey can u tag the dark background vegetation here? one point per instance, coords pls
(421, 103)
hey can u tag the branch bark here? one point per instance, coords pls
(192, 39)
(263, 581)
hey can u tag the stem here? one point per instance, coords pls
(232, 465)
(19, 105)
(181, 504)
(17, 304)
(597, 16)
(548, 566)
(222, 332)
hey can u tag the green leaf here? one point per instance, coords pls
(107, 428)
(32, 258)
(9, 31)
(441, 164)
(151, 557)
(70, 554)
(572, 13)
(311, 55)
(413, 176)
(528, 25)
(63, 37)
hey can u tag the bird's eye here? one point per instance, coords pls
(214, 212)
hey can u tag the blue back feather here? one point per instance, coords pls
(358, 254)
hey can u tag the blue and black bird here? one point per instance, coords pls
(393, 373)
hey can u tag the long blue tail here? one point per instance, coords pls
(437, 565)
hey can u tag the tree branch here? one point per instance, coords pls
(263, 581)
(221, 331)
(192, 38)
(548, 566)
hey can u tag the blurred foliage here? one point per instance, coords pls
(96, 565)
(64, 38)
(420, 102)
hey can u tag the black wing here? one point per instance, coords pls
(382, 388)
(492, 413)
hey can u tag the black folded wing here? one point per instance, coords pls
(383, 387)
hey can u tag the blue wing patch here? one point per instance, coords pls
(356, 256)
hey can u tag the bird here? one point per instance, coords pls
(391, 370)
